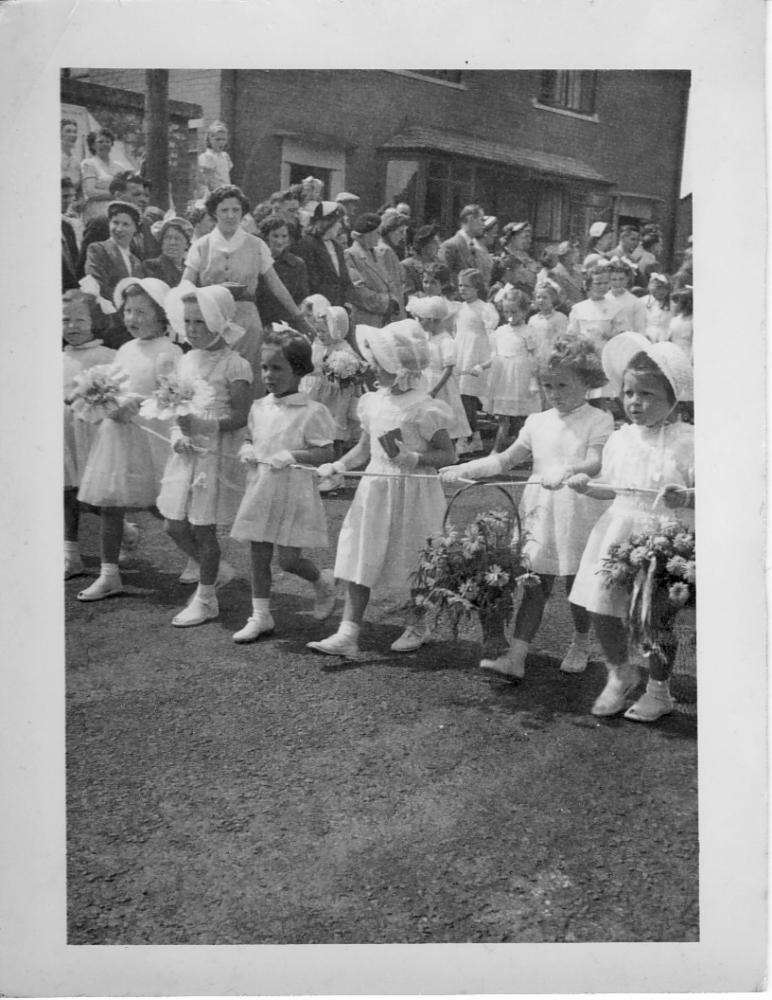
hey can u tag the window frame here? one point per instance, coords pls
(558, 107)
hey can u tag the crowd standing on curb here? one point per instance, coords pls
(318, 342)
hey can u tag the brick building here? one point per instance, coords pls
(559, 148)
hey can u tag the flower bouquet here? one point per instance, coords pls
(474, 572)
(100, 392)
(343, 368)
(657, 566)
(176, 397)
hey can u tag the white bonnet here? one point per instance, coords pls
(669, 358)
(154, 288)
(217, 306)
(401, 348)
(338, 323)
(428, 307)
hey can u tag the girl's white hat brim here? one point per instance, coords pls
(400, 348)
(156, 289)
(669, 358)
(428, 307)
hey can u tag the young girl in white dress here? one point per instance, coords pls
(332, 326)
(281, 505)
(125, 464)
(657, 306)
(476, 320)
(214, 163)
(547, 323)
(431, 311)
(564, 441)
(633, 309)
(81, 315)
(655, 451)
(513, 391)
(203, 480)
(404, 431)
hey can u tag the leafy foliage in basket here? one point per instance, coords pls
(474, 571)
(658, 568)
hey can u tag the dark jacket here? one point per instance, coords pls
(163, 268)
(294, 276)
(143, 245)
(322, 279)
(69, 257)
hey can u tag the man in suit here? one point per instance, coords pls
(130, 187)
(465, 249)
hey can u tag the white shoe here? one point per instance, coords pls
(575, 660)
(621, 682)
(73, 567)
(196, 613)
(101, 588)
(324, 602)
(336, 645)
(256, 626)
(412, 638)
(512, 663)
(651, 706)
(225, 573)
(191, 573)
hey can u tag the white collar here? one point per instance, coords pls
(293, 399)
(83, 347)
(218, 242)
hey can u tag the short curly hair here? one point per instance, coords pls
(474, 277)
(99, 321)
(221, 193)
(294, 346)
(579, 355)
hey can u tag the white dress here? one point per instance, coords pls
(283, 506)
(599, 320)
(207, 488)
(557, 523)
(633, 456)
(475, 322)
(340, 400)
(512, 387)
(633, 310)
(442, 352)
(126, 463)
(547, 329)
(390, 520)
(657, 319)
(79, 434)
(220, 162)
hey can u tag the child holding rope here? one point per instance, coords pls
(566, 442)
(125, 463)
(281, 505)
(652, 456)
(203, 479)
(405, 437)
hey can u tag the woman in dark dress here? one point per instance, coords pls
(327, 271)
(289, 267)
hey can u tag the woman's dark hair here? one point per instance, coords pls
(99, 322)
(579, 355)
(650, 239)
(684, 299)
(137, 291)
(439, 272)
(92, 137)
(549, 258)
(271, 224)
(221, 193)
(294, 346)
(642, 364)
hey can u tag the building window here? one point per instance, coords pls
(568, 89)
(306, 159)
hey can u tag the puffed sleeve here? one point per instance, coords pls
(684, 452)
(447, 352)
(319, 427)
(435, 416)
(601, 428)
(193, 260)
(264, 257)
(611, 452)
(237, 369)
(364, 409)
(525, 437)
(167, 360)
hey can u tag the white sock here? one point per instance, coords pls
(260, 605)
(72, 549)
(660, 689)
(109, 571)
(349, 629)
(206, 592)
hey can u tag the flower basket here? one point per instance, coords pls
(474, 571)
(657, 567)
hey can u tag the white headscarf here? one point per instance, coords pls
(669, 358)
(217, 308)
(401, 348)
